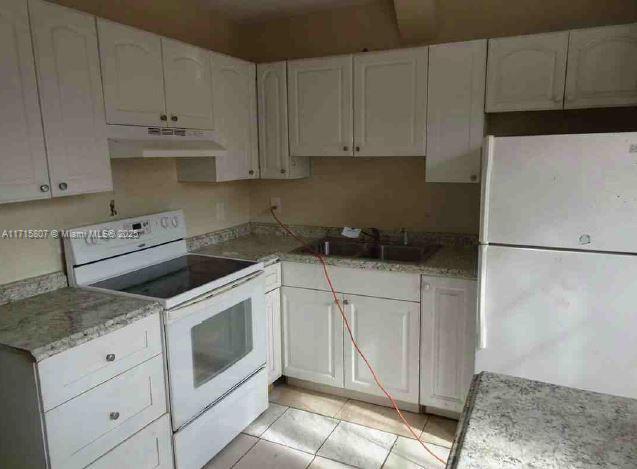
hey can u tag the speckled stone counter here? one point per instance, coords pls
(50, 323)
(449, 261)
(28, 287)
(513, 422)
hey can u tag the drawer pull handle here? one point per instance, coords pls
(110, 357)
(114, 415)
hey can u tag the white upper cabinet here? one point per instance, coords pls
(274, 152)
(390, 102)
(448, 341)
(320, 106)
(70, 86)
(23, 168)
(526, 73)
(188, 85)
(388, 333)
(235, 116)
(133, 75)
(455, 111)
(602, 67)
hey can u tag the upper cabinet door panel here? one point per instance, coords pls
(320, 106)
(526, 73)
(188, 85)
(23, 168)
(67, 62)
(235, 116)
(390, 102)
(455, 111)
(273, 120)
(602, 67)
(132, 73)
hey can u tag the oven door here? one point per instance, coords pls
(213, 345)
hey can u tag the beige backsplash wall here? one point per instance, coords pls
(392, 193)
(140, 186)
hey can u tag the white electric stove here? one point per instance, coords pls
(214, 322)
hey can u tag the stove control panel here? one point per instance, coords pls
(110, 239)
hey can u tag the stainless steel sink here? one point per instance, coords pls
(356, 249)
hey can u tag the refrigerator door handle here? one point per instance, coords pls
(487, 165)
(481, 310)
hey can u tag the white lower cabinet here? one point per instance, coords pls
(312, 336)
(273, 311)
(150, 448)
(448, 341)
(388, 333)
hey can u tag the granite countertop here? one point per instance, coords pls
(50, 323)
(448, 261)
(514, 422)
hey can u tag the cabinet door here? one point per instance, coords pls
(390, 103)
(526, 73)
(388, 333)
(448, 341)
(133, 75)
(235, 116)
(602, 67)
(273, 311)
(320, 106)
(455, 111)
(187, 83)
(23, 170)
(68, 68)
(312, 336)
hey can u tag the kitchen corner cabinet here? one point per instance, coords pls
(455, 111)
(390, 102)
(388, 332)
(70, 89)
(312, 336)
(602, 67)
(320, 106)
(133, 75)
(526, 73)
(188, 85)
(23, 167)
(448, 311)
(275, 161)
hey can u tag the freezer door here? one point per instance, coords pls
(566, 191)
(568, 318)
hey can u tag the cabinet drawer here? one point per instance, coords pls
(150, 448)
(272, 276)
(393, 285)
(88, 426)
(70, 373)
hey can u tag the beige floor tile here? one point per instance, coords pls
(266, 455)
(300, 430)
(304, 399)
(381, 418)
(229, 455)
(409, 454)
(440, 431)
(263, 421)
(324, 463)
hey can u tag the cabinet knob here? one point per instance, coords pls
(174, 118)
(345, 301)
(163, 117)
(585, 239)
(110, 357)
(426, 286)
(114, 415)
(251, 172)
(283, 171)
(345, 148)
(44, 188)
(358, 148)
(474, 177)
(63, 186)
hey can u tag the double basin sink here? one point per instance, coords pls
(369, 250)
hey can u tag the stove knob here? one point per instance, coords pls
(164, 222)
(175, 221)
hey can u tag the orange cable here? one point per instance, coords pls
(320, 257)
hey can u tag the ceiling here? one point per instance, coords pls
(245, 11)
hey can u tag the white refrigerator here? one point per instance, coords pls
(558, 260)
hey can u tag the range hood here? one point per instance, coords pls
(127, 141)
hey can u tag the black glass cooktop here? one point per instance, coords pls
(173, 277)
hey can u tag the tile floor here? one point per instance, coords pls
(306, 429)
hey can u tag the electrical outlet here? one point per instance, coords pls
(276, 202)
(221, 211)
